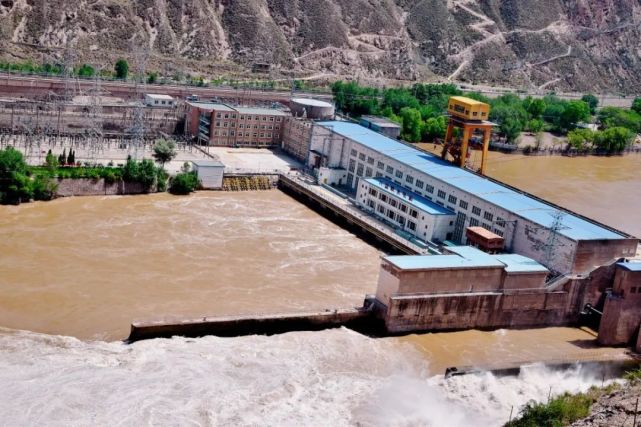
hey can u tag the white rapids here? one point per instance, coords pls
(329, 378)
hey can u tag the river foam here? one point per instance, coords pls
(335, 377)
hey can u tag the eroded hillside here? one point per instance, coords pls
(549, 44)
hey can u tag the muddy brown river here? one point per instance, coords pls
(88, 266)
(75, 272)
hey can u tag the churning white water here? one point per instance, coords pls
(329, 378)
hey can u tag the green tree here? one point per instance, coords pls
(511, 128)
(592, 101)
(614, 140)
(164, 151)
(412, 123)
(619, 117)
(580, 138)
(86, 71)
(534, 106)
(433, 128)
(62, 159)
(636, 105)
(183, 183)
(535, 125)
(574, 112)
(14, 182)
(122, 69)
(152, 78)
(71, 159)
(51, 162)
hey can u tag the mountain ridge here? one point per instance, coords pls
(536, 44)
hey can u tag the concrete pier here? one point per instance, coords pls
(358, 319)
(347, 213)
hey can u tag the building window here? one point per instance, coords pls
(392, 202)
(402, 207)
(371, 203)
(411, 225)
(232, 133)
(233, 116)
(380, 165)
(359, 170)
(476, 210)
(368, 172)
(361, 156)
(413, 213)
(487, 226)
(241, 126)
(224, 133)
(373, 192)
(399, 174)
(370, 160)
(242, 117)
(389, 170)
(381, 209)
(218, 115)
(429, 188)
(441, 194)
(353, 153)
(352, 165)
(409, 179)
(498, 232)
(500, 221)
(488, 216)
(379, 175)
(217, 124)
(419, 183)
(383, 197)
(474, 222)
(452, 199)
(226, 116)
(264, 118)
(271, 119)
(463, 204)
(390, 214)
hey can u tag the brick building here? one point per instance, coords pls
(223, 125)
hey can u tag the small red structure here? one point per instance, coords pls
(484, 239)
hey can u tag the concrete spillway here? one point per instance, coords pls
(358, 319)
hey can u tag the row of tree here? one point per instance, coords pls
(420, 110)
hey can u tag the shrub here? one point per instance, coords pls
(183, 183)
(560, 411)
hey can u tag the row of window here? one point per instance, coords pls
(500, 222)
(220, 115)
(242, 126)
(400, 219)
(241, 134)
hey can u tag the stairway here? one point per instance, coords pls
(246, 183)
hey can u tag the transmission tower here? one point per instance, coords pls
(137, 130)
(95, 130)
(69, 58)
(552, 241)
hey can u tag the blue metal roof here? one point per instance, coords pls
(467, 257)
(427, 262)
(630, 266)
(515, 263)
(520, 204)
(425, 205)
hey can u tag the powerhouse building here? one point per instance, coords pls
(223, 125)
(403, 185)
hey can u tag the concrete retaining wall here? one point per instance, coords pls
(97, 187)
(486, 310)
(361, 320)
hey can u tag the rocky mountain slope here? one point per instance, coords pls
(547, 44)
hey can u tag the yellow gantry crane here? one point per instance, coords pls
(469, 115)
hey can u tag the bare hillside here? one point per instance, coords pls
(549, 44)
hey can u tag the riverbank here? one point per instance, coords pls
(616, 404)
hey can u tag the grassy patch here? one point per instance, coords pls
(560, 411)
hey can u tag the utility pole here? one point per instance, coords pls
(137, 130)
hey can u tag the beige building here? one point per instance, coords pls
(223, 125)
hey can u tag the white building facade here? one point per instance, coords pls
(156, 100)
(402, 209)
(345, 146)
